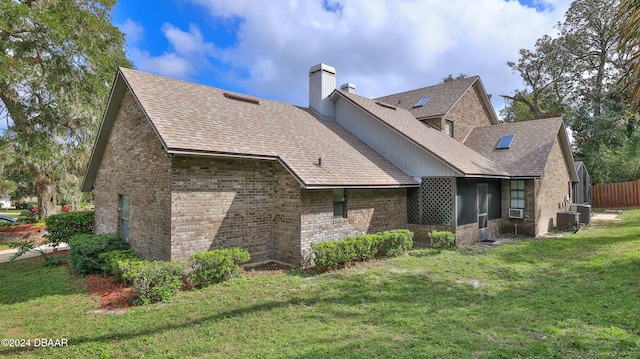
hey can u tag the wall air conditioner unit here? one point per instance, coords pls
(516, 213)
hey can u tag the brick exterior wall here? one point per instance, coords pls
(544, 197)
(368, 211)
(135, 164)
(186, 204)
(466, 114)
(552, 189)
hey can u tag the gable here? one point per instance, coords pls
(192, 119)
(528, 153)
(399, 122)
(442, 99)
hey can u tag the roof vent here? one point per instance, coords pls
(386, 105)
(241, 98)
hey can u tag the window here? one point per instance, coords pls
(448, 128)
(422, 102)
(505, 142)
(339, 203)
(517, 194)
(123, 217)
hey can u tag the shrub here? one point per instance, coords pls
(86, 248)
(442, 239)
(395, 242)
(336, 254)
(63, 226)
(365, 246)
(26, 219)
(118, 261)
(214, 266)
(154, 281)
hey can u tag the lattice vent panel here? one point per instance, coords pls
(437, 198)
(413, 205)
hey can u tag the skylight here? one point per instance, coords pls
(422, 102)
(505, 142)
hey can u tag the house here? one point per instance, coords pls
(179, 167)
(5, 201)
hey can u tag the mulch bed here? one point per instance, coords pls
(111, 295)
(21, 231)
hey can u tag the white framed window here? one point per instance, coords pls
(448, 128)
(517, 194)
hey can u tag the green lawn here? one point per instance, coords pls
(575, 297)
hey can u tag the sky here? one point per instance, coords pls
(265, 48)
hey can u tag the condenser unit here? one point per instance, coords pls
(516, 213)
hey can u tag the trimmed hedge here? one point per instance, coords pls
(84, 254)
(336, 254)
(216, 265)
(63, 226)
(153, 281)
(442, 239)
(118, 261)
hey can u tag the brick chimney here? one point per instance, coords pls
(322, 82)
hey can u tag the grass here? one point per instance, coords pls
(575, 297)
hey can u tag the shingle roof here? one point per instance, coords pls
(529, 150)
(442, 98)
(452, 152)
(196, 119)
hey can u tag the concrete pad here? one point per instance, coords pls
(5, 255)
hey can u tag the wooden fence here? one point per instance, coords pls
(625, 194)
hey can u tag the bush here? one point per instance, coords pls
(336, 254)
(442, 239)
(26, 219)
(86, 248)
(63, 226)
(216, 265)
(395, 242)
(118, 261)
(154, 281)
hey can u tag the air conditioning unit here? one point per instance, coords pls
(516, 213)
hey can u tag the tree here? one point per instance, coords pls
(57, 60)
(450, 77)
(577, 75)
(628, 28)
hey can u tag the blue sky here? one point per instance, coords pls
(265, 48)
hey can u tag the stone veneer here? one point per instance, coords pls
(185, 204)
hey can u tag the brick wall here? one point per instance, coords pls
(368, 211)
(525, 226)
(466, 114)
(552, 189)
(225, 202)
(135, 164)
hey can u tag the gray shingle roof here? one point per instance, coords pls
(442, 98)
(529, 150)
(452, 152)
(191, 118)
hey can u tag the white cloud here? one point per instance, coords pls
(187, 56)
(382, 46)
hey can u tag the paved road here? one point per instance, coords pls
(5, 255)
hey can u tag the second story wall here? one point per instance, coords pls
(467, 113)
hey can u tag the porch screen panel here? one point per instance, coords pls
(466, 202)
(495, 199)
